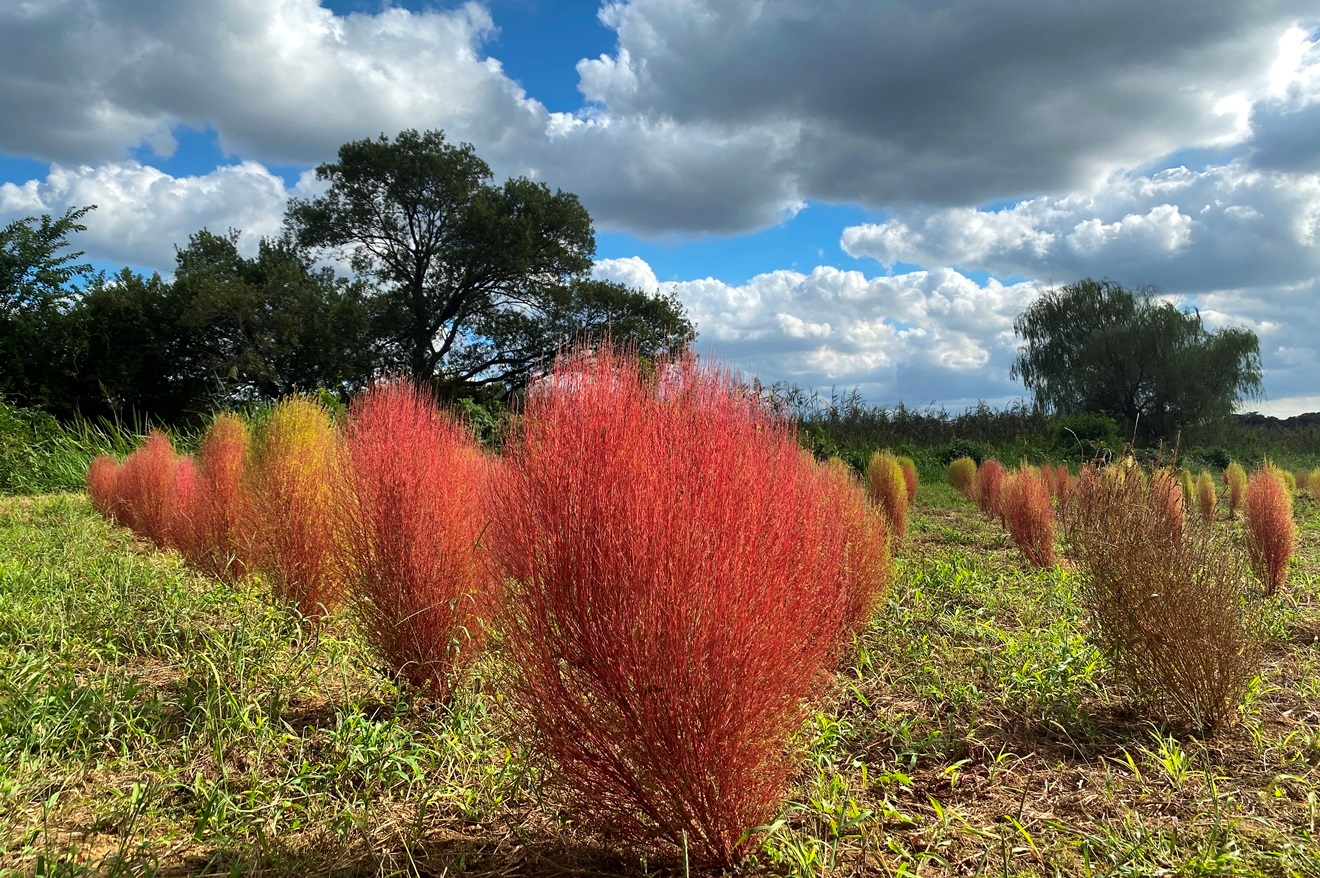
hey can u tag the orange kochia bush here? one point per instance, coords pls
(1270, 528)
(422, 585)
(223, 536)
(682, 581)
(1025, 508)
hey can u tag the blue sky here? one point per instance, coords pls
(848, 194)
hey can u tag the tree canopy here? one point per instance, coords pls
(475, 283)
(1095, 346)
(456, 280)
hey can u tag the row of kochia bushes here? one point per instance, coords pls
(1170, 595)
(1029, 501)
(671, 579)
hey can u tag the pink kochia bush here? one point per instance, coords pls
(1271, 530)
(682, 580)
(222, 535)
(102, 486)
(297, 480)
(145, 489)
(423, 586)
(1028, 515)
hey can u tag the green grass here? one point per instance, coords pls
(153, 721)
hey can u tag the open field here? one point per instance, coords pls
(153, 721)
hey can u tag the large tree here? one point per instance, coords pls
(40, 279)
(476, 282)
(1095, 346)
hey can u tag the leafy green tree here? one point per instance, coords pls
(1094, 346)
(270, 325)
(476, 282)
(38, 286)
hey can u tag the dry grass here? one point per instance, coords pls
(1169, 607)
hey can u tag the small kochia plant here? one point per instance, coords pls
(1313, 482)
(962, 475)
(145, 489)
(1235, 477)
(297, 476)
(1168, 608)
(1028, 515)
(423, 586)
(990, 486)
(223, 516)
(681, 579)
(102, 485)
(910, 477)
(888, 488)
(1270, 528)
(1207, 498)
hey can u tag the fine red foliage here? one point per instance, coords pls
(223, 526)
(681, 585)
(887, 484)
(297, 479)
(424, 588)
(102, 489)
(1270, 528)
(146, 488)
(1028, 515)
(989, 486)
(182, 534)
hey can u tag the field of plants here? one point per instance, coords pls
(652, 636)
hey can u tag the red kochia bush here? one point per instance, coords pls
(222, 536)
(680, 586)
(102, 490)
(989, 487)
(423, 586)
(146, 488)
(1028, 515)
(297, 477)
(1270, 527)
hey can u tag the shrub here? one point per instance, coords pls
(1270, 528)
(146, 488)
(182, 534)
(1170, 614)
(888, 489)
(102, 489)
(913, 482)
(1028, 516)
(680, 580)
(1206, 496)
(423, 587)
(223, 524)
(1236, 479)
(1167, 496)
(989, 486)
(962, 475)
(1188, 484)
(297, 474)
(1313, 480)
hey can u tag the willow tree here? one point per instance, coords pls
(1095, 346)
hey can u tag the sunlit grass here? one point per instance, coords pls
(156, 721)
